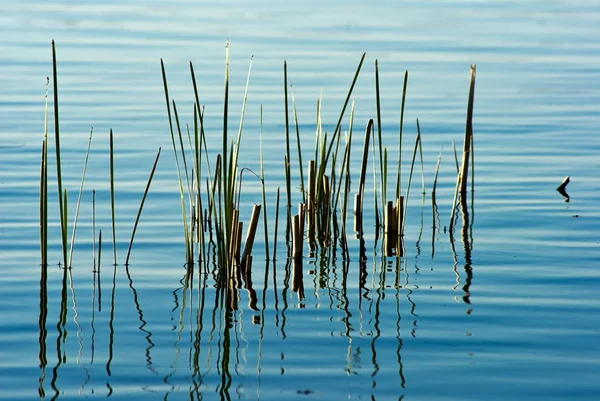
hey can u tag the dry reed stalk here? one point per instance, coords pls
(390, 234)
(296, 238)
(238, 241)
(297, 279)
(251, 233)
(399, 226)
(302, 214)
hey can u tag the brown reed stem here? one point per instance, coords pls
(251, 233)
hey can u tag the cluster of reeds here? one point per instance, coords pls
(210, 191)
(210, 195)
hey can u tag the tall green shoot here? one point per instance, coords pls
(61, 200)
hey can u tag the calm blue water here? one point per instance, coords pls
(512, 313)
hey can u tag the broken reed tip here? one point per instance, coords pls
(563, 185)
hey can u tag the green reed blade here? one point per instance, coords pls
(198, 136)
(421, 157)
(94, 227)
(398, 181)
(99, 250)
(472, 172)
(455, 157)
(262, 180)
(412, 165)
(181, 191)
(87, 155)
(300, 164)
(224, 171)
(182, 148)
(319, 129)
(339, 123)
(112, 195)
(234, 163)
(65, 212)
(287, 159)
(63, 227)
(139, 213)
(345, 171)
(379, 134)
(198, 171)
(276, 226)
(375, 203)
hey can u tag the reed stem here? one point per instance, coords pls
(137, 218)
(63, 227)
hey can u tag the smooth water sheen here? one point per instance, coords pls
(509, 311)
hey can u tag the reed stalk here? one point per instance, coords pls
(345, 170)
(99, 253)
(398, 180)
(43, 208)
(87, 155)
(139, 213)
(263, 190)
(437, 170)
(375, 202)
(225, 166)
(412, 165)
(188, 257)
(276, 226)
(249, 243)
(379, 135)
(311, 205)
(358, 204)
(319, 128)
(236, 145)
(300, 164)
(338, 126)
(468, 134)
(287, 149)
(421, 159)
(296, 238)
(433, 199)
(44, 187)
(455, 157)
(94, 227)
(112, 195)
(61, 200)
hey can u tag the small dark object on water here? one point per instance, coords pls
(562, 188)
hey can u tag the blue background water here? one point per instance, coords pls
(526, 324)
